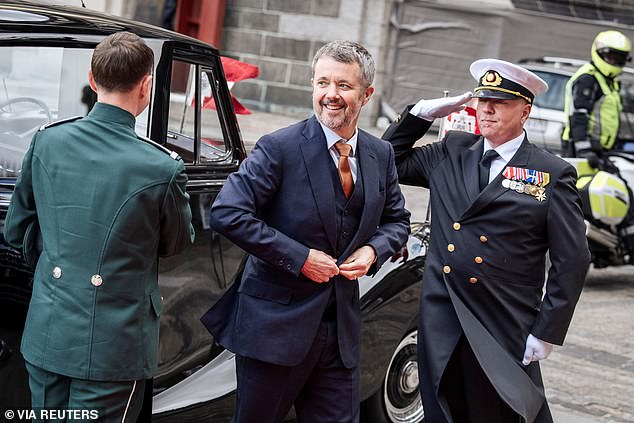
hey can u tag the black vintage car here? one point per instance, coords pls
(45, 53)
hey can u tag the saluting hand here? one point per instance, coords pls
(319, 266)
(440, 107)
(358, 263)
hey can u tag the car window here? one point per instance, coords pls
(41, 84)
(182, 125)
(554, 98)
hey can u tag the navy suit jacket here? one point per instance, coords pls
(277, 206)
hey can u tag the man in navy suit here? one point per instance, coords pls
(317, 205)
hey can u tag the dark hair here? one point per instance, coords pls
(348, 52)
(120, 61)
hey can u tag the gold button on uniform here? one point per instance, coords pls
(446, 269)
(483, 238)
(96, 280)
(456, 226)
(478, 260)
(57, 272)
(473, 280)
(451, 248)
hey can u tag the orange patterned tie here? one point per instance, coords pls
(347, 183)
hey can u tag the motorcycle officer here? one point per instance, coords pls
(593, 107)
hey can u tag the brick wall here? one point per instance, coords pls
(281, 37)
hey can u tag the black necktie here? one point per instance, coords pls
(485, 165)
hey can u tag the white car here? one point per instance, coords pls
(547, 119)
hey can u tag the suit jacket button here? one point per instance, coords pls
(96, 280)
(57, 272)
(473, 280)
(451, 248)
(483, 238)
(281, 262)
(478, 260)
(288, 267)
(456, 226)
(446, 269)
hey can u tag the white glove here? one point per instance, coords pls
(536, 350)
(440, 107)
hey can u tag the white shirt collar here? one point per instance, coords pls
(508, 149)
(332, 138)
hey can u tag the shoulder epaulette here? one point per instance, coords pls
(173, 154)
(59, 122)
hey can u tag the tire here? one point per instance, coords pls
(398, 399)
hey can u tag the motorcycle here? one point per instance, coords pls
(603, 185)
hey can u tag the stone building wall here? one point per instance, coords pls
(281, 37)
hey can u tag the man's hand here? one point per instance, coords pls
(440, 107)
(358, 263)
(319, 266)
(536, 350)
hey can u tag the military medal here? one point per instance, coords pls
(540, 195)
(526, 181)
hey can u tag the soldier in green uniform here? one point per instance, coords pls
(107, 204)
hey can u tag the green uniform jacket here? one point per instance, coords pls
(108, 204)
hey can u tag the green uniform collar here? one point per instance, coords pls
(108, 112)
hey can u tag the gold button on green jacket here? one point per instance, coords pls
(108, 205)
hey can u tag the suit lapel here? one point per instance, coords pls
(368, 167)
(315, 155)
(495, 188)
(470, 158)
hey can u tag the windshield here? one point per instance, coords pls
(554, 98)
(40, 85)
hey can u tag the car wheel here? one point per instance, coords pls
(398, 400)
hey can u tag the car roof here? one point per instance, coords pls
(22, 19)
(564, 66)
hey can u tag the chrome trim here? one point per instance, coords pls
(601, 236)
(206, 183)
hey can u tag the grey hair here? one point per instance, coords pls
(348, 52)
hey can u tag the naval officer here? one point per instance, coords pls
(498, 204)
(107, 204)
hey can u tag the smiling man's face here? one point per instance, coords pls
(339, 94)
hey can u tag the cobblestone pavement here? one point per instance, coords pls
(591, 378)
(593, 372)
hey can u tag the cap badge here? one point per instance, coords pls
(491, 78)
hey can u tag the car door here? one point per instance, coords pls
(201, 127)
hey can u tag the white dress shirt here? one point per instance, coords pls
(506, 152)
(331, 140)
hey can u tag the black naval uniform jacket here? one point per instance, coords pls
(485, 269)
